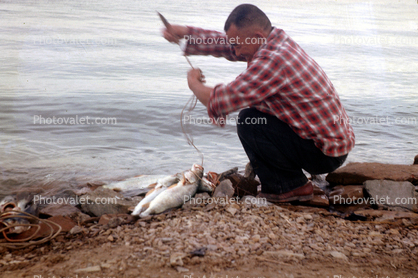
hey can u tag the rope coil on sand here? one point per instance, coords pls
(25, 242)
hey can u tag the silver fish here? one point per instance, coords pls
(208, 182)
(162, 184)
(135, 186)
(174, 196)
(11, 199)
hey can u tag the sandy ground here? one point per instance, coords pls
(226, 240)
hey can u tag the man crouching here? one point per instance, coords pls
(287, 102)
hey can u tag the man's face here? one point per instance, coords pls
(245, 41)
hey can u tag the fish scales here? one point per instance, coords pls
(162, 184)
(174, 196)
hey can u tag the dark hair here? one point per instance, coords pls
(246, 15)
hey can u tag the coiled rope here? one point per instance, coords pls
(25, 242)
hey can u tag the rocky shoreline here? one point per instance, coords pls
(223, 234)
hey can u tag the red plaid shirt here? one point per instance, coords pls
(281, 80)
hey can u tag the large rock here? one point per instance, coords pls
(318, 201)
(224, 189)
(391, 193)
(318, 191)
(105, 201)
(358, 173)
(62, 209)
(243, 186)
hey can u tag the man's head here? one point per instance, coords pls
(247, 28)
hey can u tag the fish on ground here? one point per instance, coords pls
(135, 186)
(174, 195)
(162, 184)
(208, 182)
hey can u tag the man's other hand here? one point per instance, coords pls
(195, 78)
(196, 82)
(175, 33)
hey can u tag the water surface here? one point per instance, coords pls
(107, 60)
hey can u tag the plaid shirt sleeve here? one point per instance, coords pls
(282, 80)
(206, 42)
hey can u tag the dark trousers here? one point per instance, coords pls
(278, 154)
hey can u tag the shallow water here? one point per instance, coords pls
(107, 60)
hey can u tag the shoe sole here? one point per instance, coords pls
(304, 198)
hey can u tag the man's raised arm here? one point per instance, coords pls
(202, 42)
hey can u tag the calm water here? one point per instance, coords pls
(106, 59)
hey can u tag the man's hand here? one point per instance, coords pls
(195, 78)
(196, 81)
(175, 33)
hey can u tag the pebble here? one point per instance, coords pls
(272, 236)
(255, 238)
(182, 269)
(105, 265)
(284, 253)
(176, 259)
(338, 255)
(95, 268)
(76, 230)
(231, 210)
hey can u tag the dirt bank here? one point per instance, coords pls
(227, 240)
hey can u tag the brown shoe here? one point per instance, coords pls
(301, 194)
